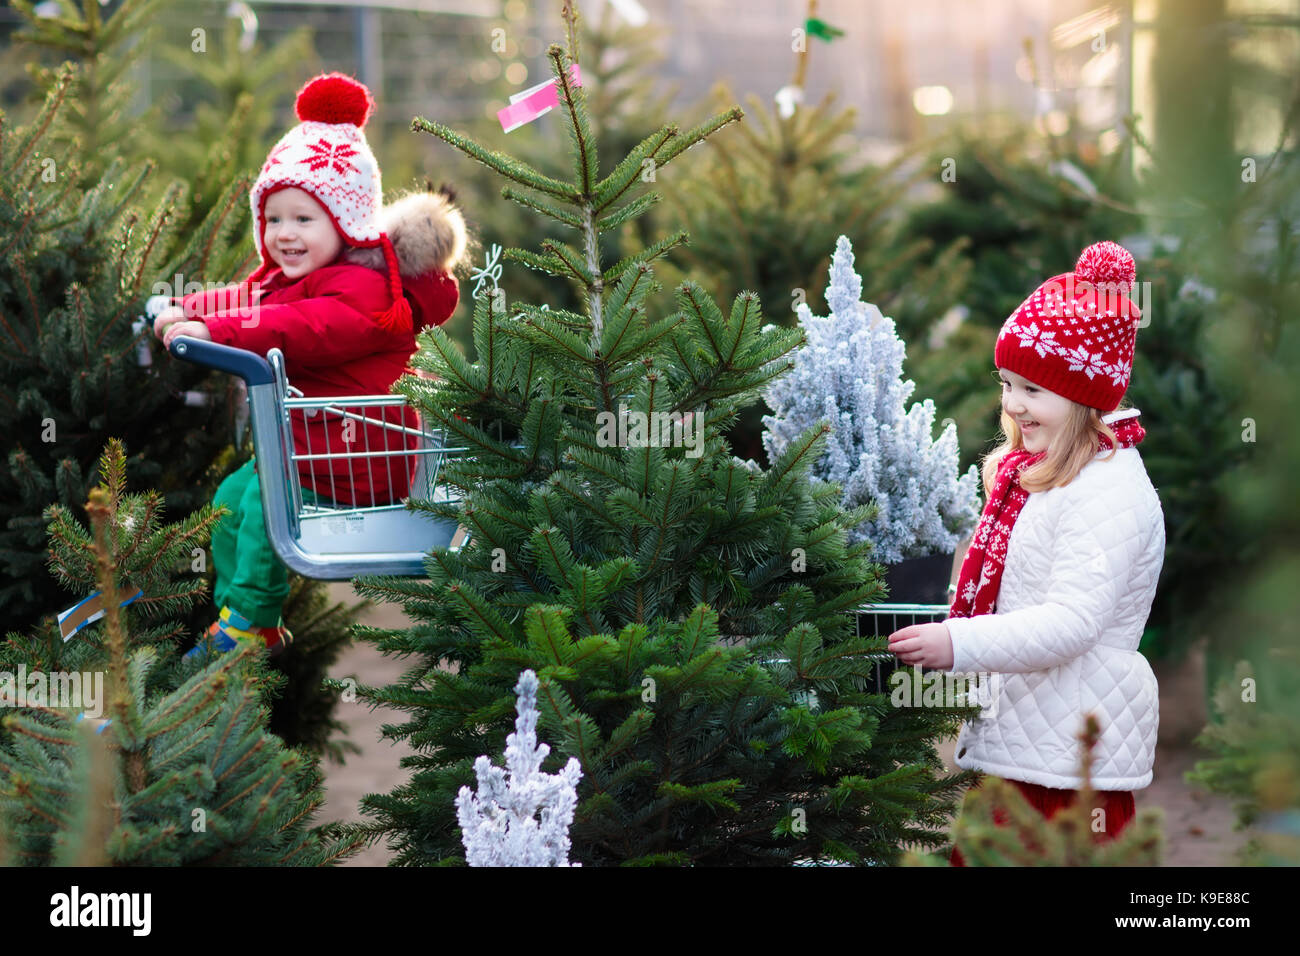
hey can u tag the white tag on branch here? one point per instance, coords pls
(787, 99)
(489, 273)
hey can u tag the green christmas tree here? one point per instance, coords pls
(626, 102)
(189, 776)
(76, 270)
(103, 50)
(690, 620)
(1028, 838)
(1252, 741)
(157, 561)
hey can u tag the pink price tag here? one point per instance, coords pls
(533, 102)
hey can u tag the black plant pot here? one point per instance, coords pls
(919, 580)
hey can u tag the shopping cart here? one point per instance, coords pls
(328, 529)
(878, 621)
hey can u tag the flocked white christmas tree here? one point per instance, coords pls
(851, 373)
(500, 824)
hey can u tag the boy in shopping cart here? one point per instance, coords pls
(343, 287)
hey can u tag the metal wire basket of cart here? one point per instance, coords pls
(335, 472)
(881, 620)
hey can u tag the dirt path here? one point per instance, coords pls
(1198, 825)
(376, 769)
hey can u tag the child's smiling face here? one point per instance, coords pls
(1040, 414)
(299, 235)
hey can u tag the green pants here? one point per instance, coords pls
(251, 579)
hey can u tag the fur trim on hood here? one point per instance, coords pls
(427, 231)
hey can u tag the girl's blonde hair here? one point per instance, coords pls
(1073, 447)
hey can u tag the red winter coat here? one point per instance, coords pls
(324, 324)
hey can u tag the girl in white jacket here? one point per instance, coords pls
(1056, 587)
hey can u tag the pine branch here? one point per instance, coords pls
(49, 109)
(573, 263)
(507, 166)
(156, 229)
(626, 174)
(100, 508)
(579, 127)
(17, 342)
(551, 264)
(632, 210)
(545, 208)
(696, 134)
(649, 254)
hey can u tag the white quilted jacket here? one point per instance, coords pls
(1081, 571)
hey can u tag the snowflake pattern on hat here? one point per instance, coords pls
(325, 153)
(1041, 340)
(1089, 362)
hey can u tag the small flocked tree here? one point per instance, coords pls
(689, 620)
(193, 776)
(998, 827)
(519, 816)
(851, 375)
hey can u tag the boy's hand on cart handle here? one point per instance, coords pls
(196, 330)
(929, 645)
(168, 316)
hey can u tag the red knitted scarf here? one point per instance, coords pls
(981, 569)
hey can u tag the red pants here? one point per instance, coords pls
(1118, 805)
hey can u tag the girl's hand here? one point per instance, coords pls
(193, 329)
(168, 316)
(929, 645)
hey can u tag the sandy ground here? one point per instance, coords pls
(1198, 824)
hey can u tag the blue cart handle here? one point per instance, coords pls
(249, 366)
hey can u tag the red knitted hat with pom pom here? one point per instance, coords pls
(327, 156)
(1075, 335)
